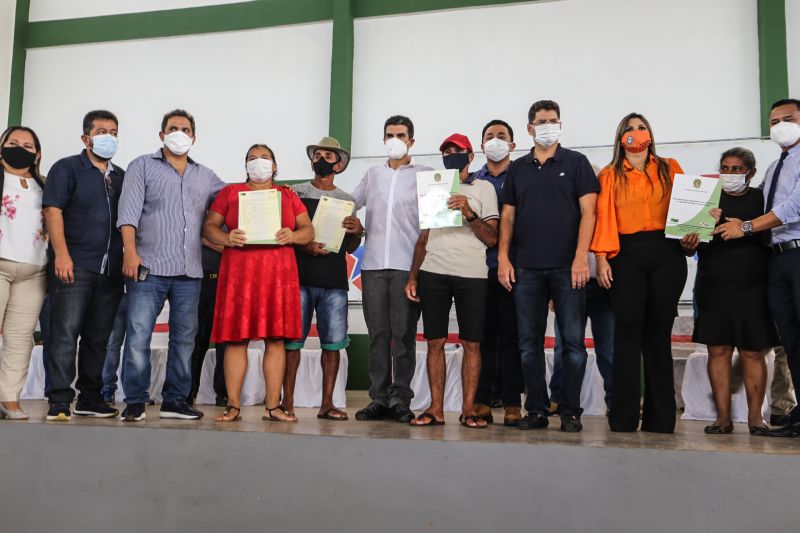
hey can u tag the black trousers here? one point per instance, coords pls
(649, 276)
(500, 347)
(205, 321)
(83, 309)
(783, 292)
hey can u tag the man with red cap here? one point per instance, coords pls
(450, 264)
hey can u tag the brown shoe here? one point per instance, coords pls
(553, 410)
(484, 412)
(512, 417)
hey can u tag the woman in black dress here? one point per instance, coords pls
(731, 297)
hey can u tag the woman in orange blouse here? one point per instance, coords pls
(645, 271)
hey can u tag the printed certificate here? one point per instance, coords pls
(692, 199)
(328, 222)
(433, 191)
(260, 215)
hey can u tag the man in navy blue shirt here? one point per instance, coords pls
(85, 272)
(500, 344)
(549, 214)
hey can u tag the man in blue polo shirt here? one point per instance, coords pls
(549, 214)
(85, 274)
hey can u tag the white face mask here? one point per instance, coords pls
(546, 135)
(733, 183)
(178, 142)
(785, 133)
(259, 170)
(396, 148)
(496, 149)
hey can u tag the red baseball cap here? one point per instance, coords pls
(459, 140)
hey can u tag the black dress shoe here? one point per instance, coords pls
(374, 411)
(791, 431)
(571, 424)
(779, 420)
(401, 413)
(533, 421)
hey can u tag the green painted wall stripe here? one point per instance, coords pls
(340, 121)
(17, 84)
(773, 65)
(377, 8)
(174, 22)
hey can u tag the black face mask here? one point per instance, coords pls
(323, 168)
(17, 157)
(456, 161)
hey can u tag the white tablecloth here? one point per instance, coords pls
(592, 393)
(696, 391)
(308, 389)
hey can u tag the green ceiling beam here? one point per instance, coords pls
(340, 115)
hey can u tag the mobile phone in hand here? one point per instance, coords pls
(142, 273)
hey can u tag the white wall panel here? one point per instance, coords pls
(268, 85)
(691, 67)
(63, 9)
(793, 46)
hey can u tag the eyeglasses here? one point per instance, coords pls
(542, 122)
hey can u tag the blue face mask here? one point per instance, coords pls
(104, 146)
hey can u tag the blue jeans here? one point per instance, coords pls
(598, 310)
(145, 301)
(532, 292)
(331, 307)
(113, 349)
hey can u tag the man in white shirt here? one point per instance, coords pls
(392, 227)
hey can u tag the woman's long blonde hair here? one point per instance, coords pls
(618, 162)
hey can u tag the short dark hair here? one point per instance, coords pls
(747, 157)
(97, 114)
(399, 120)
(786, 101)
(546, 105)
(498, 122)
(178, 113)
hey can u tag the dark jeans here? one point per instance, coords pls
(500, 345)
(598, 310)
(783, 293)
(85, 309)
(44, 325)
(392, 326)
(649, 276)
(205, 321)
(532, 293)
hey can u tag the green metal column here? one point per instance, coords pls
(773, 67)
(340, 115)
(17, 87)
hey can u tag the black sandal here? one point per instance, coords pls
(327, 415)
(465, 420)
(426, 416)
(761, 431)
(270, 418)
(228, 410)
(716, 429)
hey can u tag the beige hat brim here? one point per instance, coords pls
(343, 154)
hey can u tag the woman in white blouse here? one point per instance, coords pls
(23, 257)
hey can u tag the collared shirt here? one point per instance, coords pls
(641, 205)
(546, 198)
(88, 199)
(392, 220)
(786, 204)
(167, 210)
(498, 182)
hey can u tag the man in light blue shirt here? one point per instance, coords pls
(782, 217)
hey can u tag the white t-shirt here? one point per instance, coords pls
(22, 237)
(457, 251)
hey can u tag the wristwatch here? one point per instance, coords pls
(747, 227)
(473, 217)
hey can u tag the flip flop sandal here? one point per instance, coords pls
(227, 411)
(427, 416)
(465, 420)
(716, 429)
(328, 416)
(269, 417)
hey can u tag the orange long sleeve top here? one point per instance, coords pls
(642, 206)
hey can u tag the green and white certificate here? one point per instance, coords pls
(327, 222)
(692, 199)
(434, 188)
(260, 215)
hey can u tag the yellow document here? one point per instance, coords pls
(328, 222)
(260, 215)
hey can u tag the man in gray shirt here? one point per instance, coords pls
(161, 212)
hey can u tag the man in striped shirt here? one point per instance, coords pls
(161, 211)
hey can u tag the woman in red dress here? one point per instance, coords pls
(258, 291)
